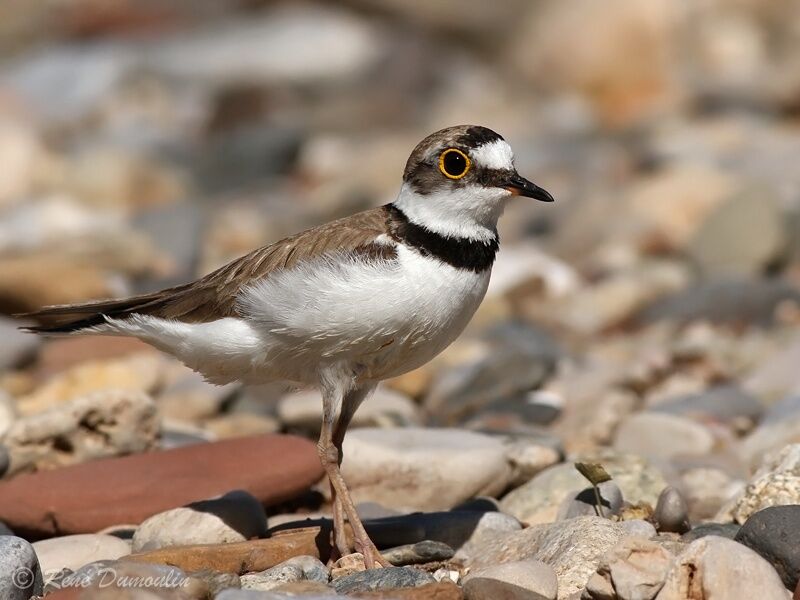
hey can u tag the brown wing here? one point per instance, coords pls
(214, 295)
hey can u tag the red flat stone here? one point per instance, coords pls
(88, 497)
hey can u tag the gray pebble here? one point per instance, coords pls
(726, 530)
(382, 579)
(20, 575)
(584, 502)
(419, 553)
(672, 513)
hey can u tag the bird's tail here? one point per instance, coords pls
(75, 318)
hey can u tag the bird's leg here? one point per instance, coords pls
(330, 455)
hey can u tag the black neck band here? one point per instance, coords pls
(462, 253)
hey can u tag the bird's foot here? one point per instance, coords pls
(373, 559)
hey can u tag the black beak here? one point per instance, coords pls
(519, 186)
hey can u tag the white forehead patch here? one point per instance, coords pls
(494, 155)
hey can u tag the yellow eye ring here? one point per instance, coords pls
(451, 160)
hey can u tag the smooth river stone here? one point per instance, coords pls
(91, 496)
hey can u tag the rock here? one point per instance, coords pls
(381, 579)
(723, 403)
(29, 282)
(21, 576)
(715, 567)
(634, 569)
(502, 374)
(214, 55)
(772, 533)
(664, 436)
(745, 301)
(672, 513)
(776, 483)
(742, 235)
(142, 372)
(66, 353)
(312, 567)
(622, 81)
(299, 568)
(241, 424)
(707, 489)
(385, 407)
(424, 469)
(114, 578)
(233, 517)
(54, 502)
(101, 424)
(529, 458)
(538, 500)
(585, 502)
(519, 580)
(638, 528)
(16, 347)
(190, 398)
(443, 590)
(726, 530)
(779, 427)
(347, 565)
(240, 557)
(573, 548)
(271, 578)
(74, 551)
(419, 553)
(777, 377)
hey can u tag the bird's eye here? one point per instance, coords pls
(453, 163)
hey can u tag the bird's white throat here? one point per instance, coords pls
(470, 212)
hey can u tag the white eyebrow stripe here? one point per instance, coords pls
(494, 155)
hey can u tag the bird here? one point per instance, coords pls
(341, 306)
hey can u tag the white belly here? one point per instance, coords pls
(385, 318)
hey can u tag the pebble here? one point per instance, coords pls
(538, 500)
(777, 482)
(715, 567)
(573, 548)
(422, 552)
(347, 565)
(21, 575)
(54, 502)
(233, 517)
(585, 502)
(779, 427)
(516, 580)
(723, 403)
(237, 557)
(672, 513)
(74, 551)
(772, 533)
(115, 577)
(505, 373)
(141, 372)
(271, 578)
(102, 424)
(381, 579)
(726, 530)
(664, 436)
(638, 528)
(634, 569)
(423, 469)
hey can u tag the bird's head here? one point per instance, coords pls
(457, 181)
